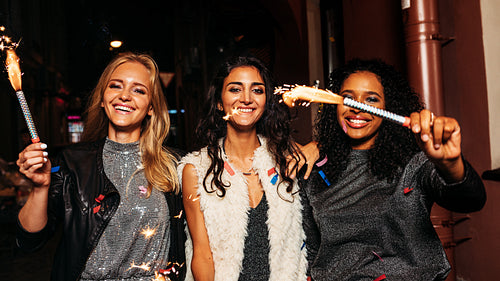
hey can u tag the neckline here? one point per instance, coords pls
(226, 156)
(121, 147)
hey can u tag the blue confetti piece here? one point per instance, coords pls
(303, 245)
(55, 169)
(274, 179)
(322, 174)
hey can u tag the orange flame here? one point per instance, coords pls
(12, 65)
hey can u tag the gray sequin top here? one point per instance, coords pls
(135, 243)
(363, 228)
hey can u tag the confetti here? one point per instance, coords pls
(143, 189)
(407, 190)
(322, 162)
(228, 168)
(323, 176)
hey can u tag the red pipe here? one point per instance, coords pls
(423, 50)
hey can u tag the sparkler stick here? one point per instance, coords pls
(14, 71)
(291, 94)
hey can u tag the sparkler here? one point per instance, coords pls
(14, 71)
(291, 94)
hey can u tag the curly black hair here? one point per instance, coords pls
(394, 145)
(274, 124)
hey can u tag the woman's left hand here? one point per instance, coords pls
(440, 138)
(310, 153)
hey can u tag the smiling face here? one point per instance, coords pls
(244, 97)
(361, 127)
(127, 101)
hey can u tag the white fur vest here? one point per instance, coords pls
(226, 219)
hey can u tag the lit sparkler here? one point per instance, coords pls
(148, 232)
(14, 71)
(306, 95)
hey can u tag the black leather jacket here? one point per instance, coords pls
(84, 200)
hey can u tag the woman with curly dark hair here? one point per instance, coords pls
(367, 208)
(242, 207)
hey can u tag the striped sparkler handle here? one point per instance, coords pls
(402, 120)
(27, 116)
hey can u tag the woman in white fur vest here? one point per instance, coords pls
(243, 211)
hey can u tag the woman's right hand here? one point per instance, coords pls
(34, 163)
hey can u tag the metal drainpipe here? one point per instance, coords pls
(423, 51)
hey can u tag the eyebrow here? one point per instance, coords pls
(121, 81)
(368, 92)
(241, 84)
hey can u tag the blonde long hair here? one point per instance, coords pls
(158, 162)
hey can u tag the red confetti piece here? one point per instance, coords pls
(228, 168)
(99, 198)
(407, 190)
(271, 171)
(381, 277)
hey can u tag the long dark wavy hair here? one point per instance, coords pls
(394, 145)
(274, 125)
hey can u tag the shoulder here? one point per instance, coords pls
(195, 157)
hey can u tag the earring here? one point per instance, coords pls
(219, 107)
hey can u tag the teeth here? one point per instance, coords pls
(357, 121)
(245, 109)
(124, 108)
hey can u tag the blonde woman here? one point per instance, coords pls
(110, 192)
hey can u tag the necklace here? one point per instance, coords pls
(249, 172)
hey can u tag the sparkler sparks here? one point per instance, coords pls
(158, 277)
(143, 266)
(148, 232)
(195, 198)
(234, 111)
(6, 42)
(179, 215)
